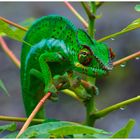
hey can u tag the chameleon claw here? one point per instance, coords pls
(96, 90)
(53, 90)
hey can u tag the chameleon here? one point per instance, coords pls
(57, 46)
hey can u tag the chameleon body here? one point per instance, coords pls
(57, 46)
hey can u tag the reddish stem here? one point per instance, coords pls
(39, 105)
(13, 24)
(121, 61)
(9, 52)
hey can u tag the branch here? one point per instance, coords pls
(86, 8)
(17, 119)
(91, 17)
(99, 4)
(93, 7)
(121, 61)
(39, 105)
(76, 13)
(109, 109)
(72, 94)
(13, 24)
(117, 34)
(9, 53)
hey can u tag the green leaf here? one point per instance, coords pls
(91, 136)
(137, 8)
(57, 129)
(125, 131)
(13, 33)
(76, 129)
(8, 127)
(3, 88)
(133, 25)
(10, 32)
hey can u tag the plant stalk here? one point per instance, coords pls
(18, 119)
(91, 27)
(109, 109)
(90, 107)
(90, 104)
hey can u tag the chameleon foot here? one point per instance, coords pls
(53, 90)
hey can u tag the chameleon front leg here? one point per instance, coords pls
(61, 81)
(45, 71)
(45, 77)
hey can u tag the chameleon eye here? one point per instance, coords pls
(85, 56)
(112, 54)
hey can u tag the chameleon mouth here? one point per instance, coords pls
(104, 67)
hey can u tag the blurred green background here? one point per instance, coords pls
(121, 84)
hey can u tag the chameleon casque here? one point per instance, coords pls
(57, 46)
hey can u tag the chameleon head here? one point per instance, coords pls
(94, 58)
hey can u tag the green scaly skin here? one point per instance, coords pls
(57, 46)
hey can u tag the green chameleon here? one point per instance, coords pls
(57, 46)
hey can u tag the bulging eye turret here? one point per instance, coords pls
(85, 56)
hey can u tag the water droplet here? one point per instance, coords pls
(137, 58)
(123, 108)
(123, 65)
(112, 39)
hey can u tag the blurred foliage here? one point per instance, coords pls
(8, 127)
(137, 8)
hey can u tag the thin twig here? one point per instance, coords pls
(76, 14)
(39, 105)
(99, 4)
(19, 119)
(121, 61)
(109, 109)
(13, 24)
(9, 53)
(117, 33)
